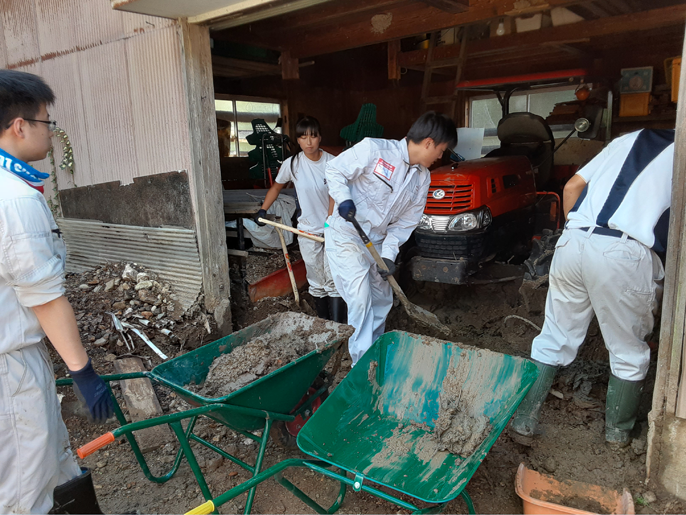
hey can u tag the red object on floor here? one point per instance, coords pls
(278, 283)
(296, 425)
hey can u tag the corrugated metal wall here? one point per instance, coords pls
(118, 81)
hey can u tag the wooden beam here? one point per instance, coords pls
(290, 69)
(585, 30)
(404, 20)
(204, 177)
(393, 67)
(449, 6)
(669, 357)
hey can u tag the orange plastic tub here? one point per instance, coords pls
(535, 488)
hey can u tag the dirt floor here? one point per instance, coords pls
(570, 447)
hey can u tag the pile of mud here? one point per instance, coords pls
(292, 337)
(458, 429)
(260, 356)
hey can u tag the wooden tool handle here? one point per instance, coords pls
(379, 260)
(292, 229)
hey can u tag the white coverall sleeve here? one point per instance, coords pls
(345, 168)
(400, 229)
(30, 262)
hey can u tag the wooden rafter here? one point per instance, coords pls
(398, 20)
(449, 6)
(647, 20)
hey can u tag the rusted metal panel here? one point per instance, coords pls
(62, 74)
(139, 23)
(106, 101)
(160, 122)
(3, 49)
(72, 25)
(170, 252)
(21, 40)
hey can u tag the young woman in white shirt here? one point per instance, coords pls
(306, 169)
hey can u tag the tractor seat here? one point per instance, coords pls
(527, 134)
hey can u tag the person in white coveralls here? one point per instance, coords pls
(383, 184)
(38, 471)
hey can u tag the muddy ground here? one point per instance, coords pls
(571, 446)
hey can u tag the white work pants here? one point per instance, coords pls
(317, 267)
(618, 279)
(35, 455)
(368, 296)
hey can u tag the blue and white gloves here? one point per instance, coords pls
(90, 388)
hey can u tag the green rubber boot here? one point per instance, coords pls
(526, 417)
(621, 407)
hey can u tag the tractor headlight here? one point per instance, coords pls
(477, 219)
(463, 222)
(425, 222)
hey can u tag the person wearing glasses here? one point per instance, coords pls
(38, 472)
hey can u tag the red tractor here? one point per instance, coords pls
(479, 209)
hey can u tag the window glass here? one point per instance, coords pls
(240, 114)
(485, 112)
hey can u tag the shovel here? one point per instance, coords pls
(292, 229)
(417, 313)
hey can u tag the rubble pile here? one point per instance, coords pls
(119, 306)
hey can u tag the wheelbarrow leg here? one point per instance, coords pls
(188, 452)
(258, 464)
(468, 501)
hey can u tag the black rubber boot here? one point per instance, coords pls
(76, 496)
(322, 306)
(339, 310)
(621, 407)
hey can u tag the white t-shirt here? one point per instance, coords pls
(309, 178)
(629, 187)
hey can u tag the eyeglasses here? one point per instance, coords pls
(52, 124)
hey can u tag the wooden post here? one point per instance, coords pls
(674, 301)
(205, 174)
(290, 67)
(393, 66)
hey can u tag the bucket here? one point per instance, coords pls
(535, 488)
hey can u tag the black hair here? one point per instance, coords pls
(21, 95)
(438, 127)
(306, 125)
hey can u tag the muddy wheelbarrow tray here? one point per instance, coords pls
(255, 406)
(398, 384)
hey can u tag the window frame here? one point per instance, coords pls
(246, 98)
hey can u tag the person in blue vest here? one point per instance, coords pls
(606, 263)
(38, 472)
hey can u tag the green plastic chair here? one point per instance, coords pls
(364, 127)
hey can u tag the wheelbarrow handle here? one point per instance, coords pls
(96, 444)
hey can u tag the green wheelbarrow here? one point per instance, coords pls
(377, 425)
(284, 396)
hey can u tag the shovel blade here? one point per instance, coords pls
(425, 317)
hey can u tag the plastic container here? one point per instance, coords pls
(532, 487)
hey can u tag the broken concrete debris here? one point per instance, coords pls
(150, 322)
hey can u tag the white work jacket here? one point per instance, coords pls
(32, 258)
(389, 194)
